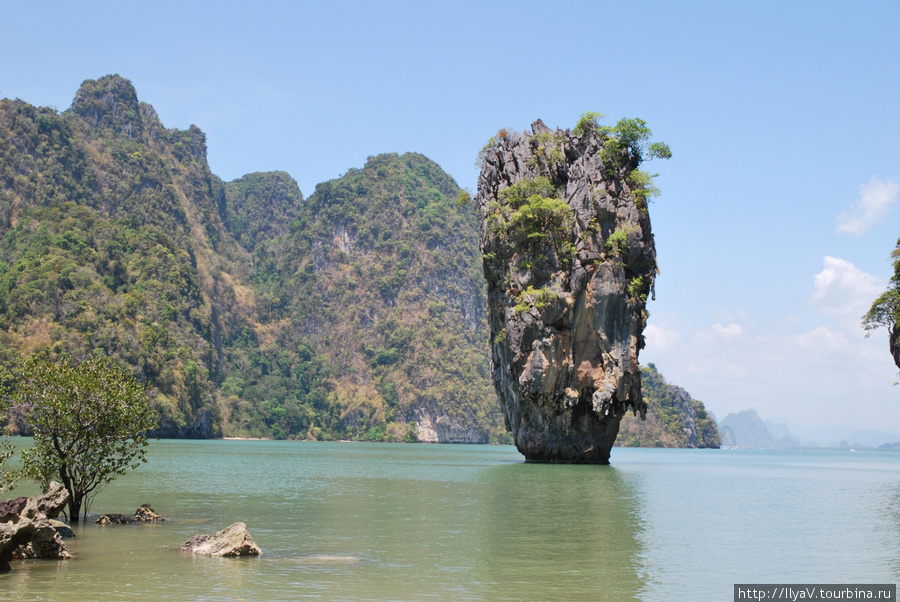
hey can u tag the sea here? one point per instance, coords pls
(370, 521)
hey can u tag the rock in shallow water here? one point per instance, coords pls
(144, 514)
(233, 540)
(570, 261)
(26, 530)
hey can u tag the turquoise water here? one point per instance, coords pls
(396, 521)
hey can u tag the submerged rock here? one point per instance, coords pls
(64, 530)
(233, 540)
(114, 519)
(144, 514)
(570, 261)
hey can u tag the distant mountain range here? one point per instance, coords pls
(747, 429)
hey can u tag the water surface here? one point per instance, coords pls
(400, 521)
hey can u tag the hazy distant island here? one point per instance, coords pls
(359, 312)
(745, 429)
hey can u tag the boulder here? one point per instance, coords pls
(26, 531)
(52, 548)
(144, 514)
(233, 540)
(114, 519)
(10, 509)
(64, 530)
(52, 503)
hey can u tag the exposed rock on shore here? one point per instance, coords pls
(570, 261)
(233, 540)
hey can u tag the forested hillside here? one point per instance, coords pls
(249, 310)
(356, 313)
(110, 229)
(674, 418)
(376, 292)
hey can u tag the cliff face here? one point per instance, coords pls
(381, 275)
(894, 344)
(569, 260)
(674, 418)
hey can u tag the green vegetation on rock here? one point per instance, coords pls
(108, 225)
(8, 478)
(626, 146)
(532, 221)
(885, 310)
(383, 269)
(674, 418)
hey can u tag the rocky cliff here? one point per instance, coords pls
(110, 238)
(570, 261)
(674, 418)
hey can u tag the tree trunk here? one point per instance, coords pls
(75, 508)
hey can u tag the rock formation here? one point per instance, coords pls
(144, 514)
(569, 260)
(26, 530)
(233, 540)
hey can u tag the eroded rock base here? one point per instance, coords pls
(587, 441)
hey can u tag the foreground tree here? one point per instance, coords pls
(90, 423)
(8, 478)
(885, 311)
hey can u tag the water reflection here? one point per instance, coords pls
(551, 531)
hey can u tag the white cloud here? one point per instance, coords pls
(805, 368)
(732, 330)
(661, 338)
(844, 291)
(875, 199)
(821, 337)
(804, 374)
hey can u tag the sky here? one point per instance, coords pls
(779, 208)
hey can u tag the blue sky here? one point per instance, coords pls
(778, 209)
